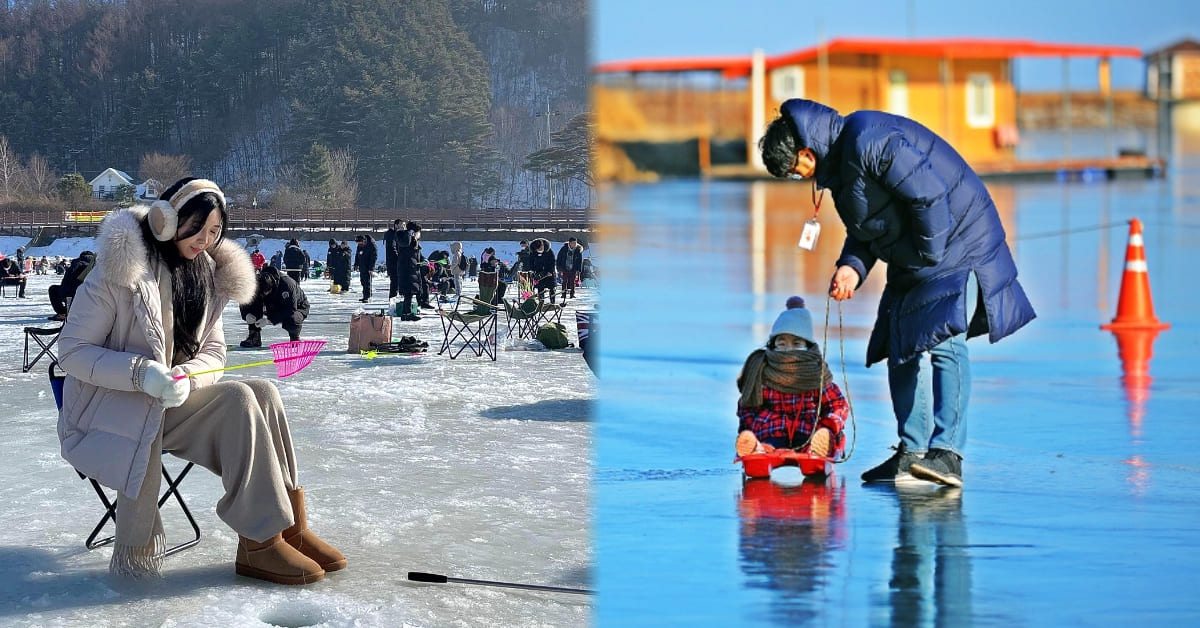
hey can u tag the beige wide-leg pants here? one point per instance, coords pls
(237, 430)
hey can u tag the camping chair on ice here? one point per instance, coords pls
(533, 311)
(39, 335)
(527, 316)
(110, 504)
(521, 317)
(10, 287)
(471, 324)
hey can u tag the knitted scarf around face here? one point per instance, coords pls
(786, 371)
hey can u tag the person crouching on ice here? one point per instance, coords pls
(278, 301)
(781, 385)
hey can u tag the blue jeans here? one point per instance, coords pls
(950, 371)
(911, 384)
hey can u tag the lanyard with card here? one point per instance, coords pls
(812, 228)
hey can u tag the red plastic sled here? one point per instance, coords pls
(760, 465)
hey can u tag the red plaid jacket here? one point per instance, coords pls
(782, 413)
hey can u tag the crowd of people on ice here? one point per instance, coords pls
(142, 341)
(412, 275)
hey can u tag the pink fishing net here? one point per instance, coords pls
(292, 357)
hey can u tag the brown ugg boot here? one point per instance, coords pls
(275, 561)
(303, 539)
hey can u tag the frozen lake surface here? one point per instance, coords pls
(467, 468)
(1081, 503)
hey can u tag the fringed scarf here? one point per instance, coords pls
(786, 371)
(141, 541)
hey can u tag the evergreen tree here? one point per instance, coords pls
(404, 86)
(315, 172)
(124, 194)
(73, 190)
(569, 154)
(244, 88)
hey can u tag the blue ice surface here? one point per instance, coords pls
(1080, 504)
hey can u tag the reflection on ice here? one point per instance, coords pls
(786, 535)
(931, 563)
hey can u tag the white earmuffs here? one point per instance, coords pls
(164, 215)
(163, 219)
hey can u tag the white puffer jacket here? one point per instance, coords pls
(106, 425)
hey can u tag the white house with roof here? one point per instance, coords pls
(149, 189)
(106, 183)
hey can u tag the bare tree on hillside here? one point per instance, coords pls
(10, 171)
(343, 184)
(166, 169)
(39, 179)
(287, 193)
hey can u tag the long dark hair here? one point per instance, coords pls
(192, 284)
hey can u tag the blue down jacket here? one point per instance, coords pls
(907, 198)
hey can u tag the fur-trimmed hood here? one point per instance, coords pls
(122, 257)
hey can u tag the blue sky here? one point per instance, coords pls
(626, 29)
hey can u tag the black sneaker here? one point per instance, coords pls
(940, 465)
(894, 469)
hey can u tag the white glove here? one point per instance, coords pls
(250, 318)
(160, 382)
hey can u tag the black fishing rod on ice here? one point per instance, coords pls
(419, 576)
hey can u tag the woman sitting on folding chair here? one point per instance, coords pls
(149, 311)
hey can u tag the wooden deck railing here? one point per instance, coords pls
(331, 219)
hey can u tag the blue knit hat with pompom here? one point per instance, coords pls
(795, 320)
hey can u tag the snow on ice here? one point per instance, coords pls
(467, 468)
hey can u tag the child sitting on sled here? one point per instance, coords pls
(780, 387)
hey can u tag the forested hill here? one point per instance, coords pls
(429, 103)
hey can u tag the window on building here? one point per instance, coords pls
(981, 101)
(787, 82)
(897, 95)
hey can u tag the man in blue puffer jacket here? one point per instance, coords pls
(908, 199)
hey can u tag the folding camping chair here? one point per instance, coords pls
(521, 317)
(548, 313)
(10, 287)
(110, 504)
(471, 324)
(527, 316)
(47, 348)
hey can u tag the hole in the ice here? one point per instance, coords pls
(294, 616)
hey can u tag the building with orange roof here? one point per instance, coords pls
(704, 115)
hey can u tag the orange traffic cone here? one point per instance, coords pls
(1135, 308)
